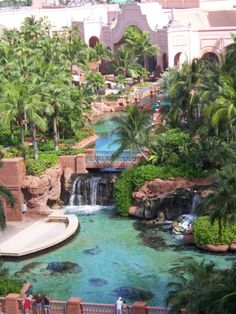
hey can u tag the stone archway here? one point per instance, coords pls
(93, 41)
(165, 61)
(211, 56)
(180, 58)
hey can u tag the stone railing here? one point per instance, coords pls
(12, 303)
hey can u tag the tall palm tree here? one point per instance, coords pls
(6, 195)
(132, 131)
(125, 62)
(95, 81)
(140, 43)
(184, 94)
(221, 204)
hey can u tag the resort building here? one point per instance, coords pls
(184, 29)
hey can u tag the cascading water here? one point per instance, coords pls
(92, 190)
(196, 201)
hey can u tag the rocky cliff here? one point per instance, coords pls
(41, 191)
(167, 198)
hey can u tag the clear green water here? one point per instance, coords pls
(121, 260)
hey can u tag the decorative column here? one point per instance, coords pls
(74, 306)
(139, 307)
(12, 303)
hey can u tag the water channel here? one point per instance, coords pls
(110, 257)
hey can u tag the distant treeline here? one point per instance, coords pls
(9, 3)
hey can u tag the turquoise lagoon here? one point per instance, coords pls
(111, 254)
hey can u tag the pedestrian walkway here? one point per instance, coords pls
(35, 234)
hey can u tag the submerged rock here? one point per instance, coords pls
(97, 282)
(132, 293)
(150, 235)
(56, 268)
(93, 251)
(27, 268)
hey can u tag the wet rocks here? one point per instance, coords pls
(56, 268)
(132, 293)
(97, 282)
(93, 251)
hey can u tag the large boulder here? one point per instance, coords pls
(42, 190)
(171, 197)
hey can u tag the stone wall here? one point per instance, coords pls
(12, 174)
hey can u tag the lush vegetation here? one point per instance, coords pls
(7, 284)
(205, 232)
(203, 288)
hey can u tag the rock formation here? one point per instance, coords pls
(171, 198)
(40, 191)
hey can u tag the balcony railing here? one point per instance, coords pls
(60, 307)
(2, 305)
(156, 310)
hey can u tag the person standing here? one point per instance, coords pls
(38, 303)
(119, 306)
(26, 305)
(46, 303)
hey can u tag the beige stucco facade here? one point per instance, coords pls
(194, 28)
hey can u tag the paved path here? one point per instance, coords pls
(32, 235)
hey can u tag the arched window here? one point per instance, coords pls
(211, 56)
(93, 41)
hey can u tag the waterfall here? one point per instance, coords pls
(91, 190)
(196, 201)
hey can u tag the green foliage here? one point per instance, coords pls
(68, 150)
(83, 133)
(45, 161)
(205, 232)
(9, 285)
(113, 97)
(6, 139)
(46, 146)
(136, 177)
(170, 146)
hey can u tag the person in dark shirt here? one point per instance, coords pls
(46, 303)
(38, 303)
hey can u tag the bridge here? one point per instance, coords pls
(89, 160)
(100, 160)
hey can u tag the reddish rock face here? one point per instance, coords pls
(39, 190)
(215, 248)
(161, 188)
(233, 246)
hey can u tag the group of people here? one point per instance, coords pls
(42, 303)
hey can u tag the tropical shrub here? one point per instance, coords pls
(136, 177)
(83, 133)
(37, 167)
(205, 232)
(68, 150)
(7, 284)
(170, 146)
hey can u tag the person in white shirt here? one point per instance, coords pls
(119, 306)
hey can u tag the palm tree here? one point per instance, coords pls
(221, 204)
(184, 94)
(95, 81)
(204, 289)
(222, 112)
(140, 43)
(132, 131)
(126, 63)
(99, 53)
(6, 195)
